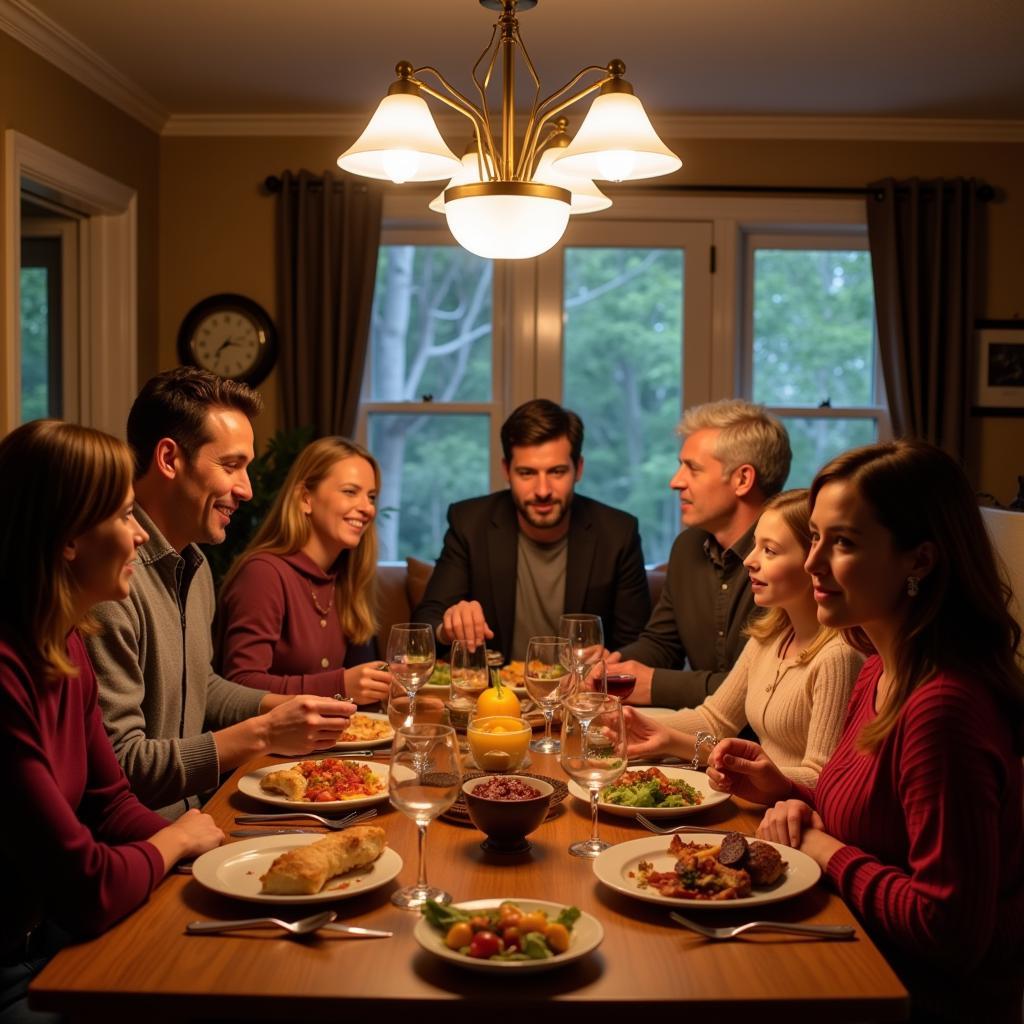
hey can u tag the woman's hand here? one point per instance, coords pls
(786, 822)
(742, 768)
(645, 735)
(192, 834)
(367, 683)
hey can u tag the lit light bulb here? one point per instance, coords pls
(616, 164)
(400, 165)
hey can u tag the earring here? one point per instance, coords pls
(913, 586)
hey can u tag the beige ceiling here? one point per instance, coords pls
(855, 58)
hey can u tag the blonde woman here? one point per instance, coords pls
(87, 852)
(792, 681)
(298, 603)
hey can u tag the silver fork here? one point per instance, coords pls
(331, 823)
(662, 831)
(303, 926)
(822, 931)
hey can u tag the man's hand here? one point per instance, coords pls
(465, 622)
(644, 678)
(306, 723)
(367, 683)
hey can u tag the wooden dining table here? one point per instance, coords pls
(147, 969)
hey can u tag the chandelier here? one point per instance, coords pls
(509, 197)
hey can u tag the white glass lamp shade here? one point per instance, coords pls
(586, 196)
(617, 143)
(507, 220)
(467, 174)
(401, 143)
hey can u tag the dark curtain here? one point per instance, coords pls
(328, 234)
(924, 238)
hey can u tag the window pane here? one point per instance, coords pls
(35, 343)
(815, 440)
(426, 463)
(622, 372)
(431, 327)
(813, 327)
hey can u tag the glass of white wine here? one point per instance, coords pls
(424, 781)
(594, 750)
(547, 675)
(411, 654)
(406, 708)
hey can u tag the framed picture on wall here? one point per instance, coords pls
(1000, 367)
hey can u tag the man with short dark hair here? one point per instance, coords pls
(734, 457)
(174, 723)
(514, 561)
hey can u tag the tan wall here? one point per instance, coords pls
(52, 108)
(217, 229)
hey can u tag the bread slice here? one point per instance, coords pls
(290, 783)
(306, 869)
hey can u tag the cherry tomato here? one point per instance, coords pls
(484, 945)
(480, 923)
(510, 936)
(509, 919)
(459, 935)
(557, 936)
(535, 921)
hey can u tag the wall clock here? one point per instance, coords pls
(231, 336)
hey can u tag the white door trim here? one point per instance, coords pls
(108, 337)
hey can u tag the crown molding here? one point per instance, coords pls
(33, 29)
(670, 126)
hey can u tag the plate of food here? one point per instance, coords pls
(510, 935)
(512, 676)
(704, 870)
(440, 679)
(300, 868)
(325, 784)
(365, 729)
(655, 791)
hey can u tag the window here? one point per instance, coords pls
(40, 328)
(811, 351)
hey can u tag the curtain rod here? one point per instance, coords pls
(986, 193)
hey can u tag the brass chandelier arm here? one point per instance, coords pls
(481, 89)
(462, 105)
(533, 129)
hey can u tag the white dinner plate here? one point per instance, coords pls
(618, 863)
(699, 781)
(250, 786)
(383, 741)
(235, 870)
(586, 935)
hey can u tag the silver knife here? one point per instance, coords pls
(356, 932)
(247, 832)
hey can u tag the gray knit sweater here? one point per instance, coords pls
(159, 693)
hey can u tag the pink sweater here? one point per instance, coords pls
(77, 853)
(934, 861)
(270, 631)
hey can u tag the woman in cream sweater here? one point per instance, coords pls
(793, 679)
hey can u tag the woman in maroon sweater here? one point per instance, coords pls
(296, 610)
(917, 816)
(84, 852)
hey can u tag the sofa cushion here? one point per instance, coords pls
(417, 576)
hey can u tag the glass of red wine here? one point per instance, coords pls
(619, 684)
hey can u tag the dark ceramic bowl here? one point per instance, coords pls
(507, 823)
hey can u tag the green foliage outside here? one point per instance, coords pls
(35, 344)
(266, 474)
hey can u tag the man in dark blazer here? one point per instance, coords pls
(515, 560)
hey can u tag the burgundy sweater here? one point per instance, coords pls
(270, 632)
(77, 853)
(934, 861)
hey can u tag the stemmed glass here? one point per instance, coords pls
(411, 654)
(547, 676)
(594, 748)
(586, 641)
(406, 708)
(470, 677)
(424, 781)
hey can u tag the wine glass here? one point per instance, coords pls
(406, 708)
(547, 677)
(594, 746)
(586, 640)
(411, 654)
(424, 780)
(470, 676)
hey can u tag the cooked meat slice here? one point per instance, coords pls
(734, 851)
(764, 863)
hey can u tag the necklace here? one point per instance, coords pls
(322, 612)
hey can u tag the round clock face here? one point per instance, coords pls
(229, 335)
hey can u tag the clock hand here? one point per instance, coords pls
(229, 341)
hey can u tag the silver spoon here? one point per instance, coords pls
(303, 926)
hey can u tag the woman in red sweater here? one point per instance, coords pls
(295, 612)
(85, 851)
(917, 816)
